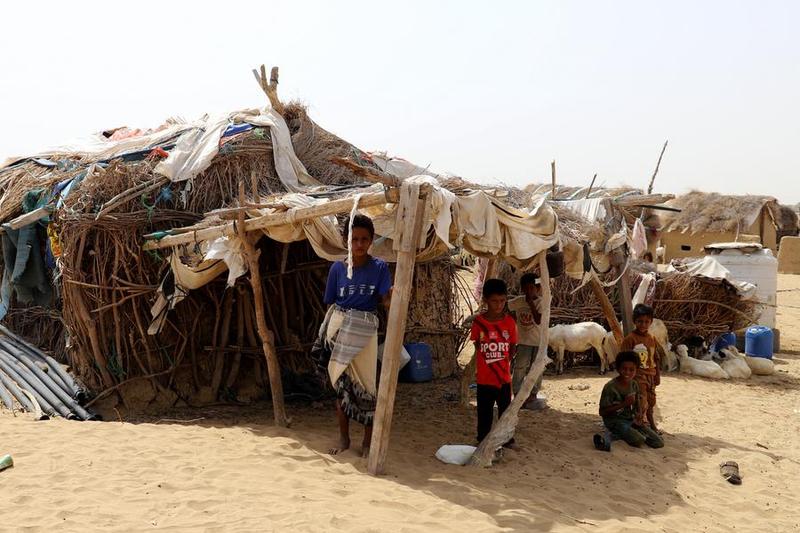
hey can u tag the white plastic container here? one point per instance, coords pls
(756, 265)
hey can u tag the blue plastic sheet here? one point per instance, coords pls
(233, 129)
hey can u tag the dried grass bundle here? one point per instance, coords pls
(715, 213)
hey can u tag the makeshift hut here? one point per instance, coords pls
(191, 258)
(707, 218)
(788, 222)
(689, 304)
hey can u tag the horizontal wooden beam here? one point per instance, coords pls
(368, 174)
(343, 205)
(643, 199)
(29, 218)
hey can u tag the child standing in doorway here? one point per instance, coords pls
(494, 333)
(526, 308)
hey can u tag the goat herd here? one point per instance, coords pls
(693, 357)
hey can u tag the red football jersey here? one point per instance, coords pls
(494, 341)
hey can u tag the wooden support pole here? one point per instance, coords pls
(589, 191)
(553, 178)
(411, 214)
(267, 337)
(269, 86)
(369, 174)
(653, 179)
(618, 260)
(608, 309)
(626, 300)
(333, 207)
(467, 375)
(504, 429)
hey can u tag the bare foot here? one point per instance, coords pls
(365, 452)
(344, 444)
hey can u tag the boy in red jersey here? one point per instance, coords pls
(494, 333)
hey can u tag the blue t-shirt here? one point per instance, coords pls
(370, 283)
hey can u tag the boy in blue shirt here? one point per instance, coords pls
(352, 330)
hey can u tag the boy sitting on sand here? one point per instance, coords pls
(619, 408)
(495, 336)
(649, 374)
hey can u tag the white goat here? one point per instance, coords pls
(760, 366)
(611, 349)
(659, 330)
(697, 367)
(577, 338)
(735, 365)
(670, 362)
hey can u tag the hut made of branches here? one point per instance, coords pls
(103, 284)
(688, 305)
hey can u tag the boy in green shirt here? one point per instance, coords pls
(619, 408)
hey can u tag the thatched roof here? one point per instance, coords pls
(715, 213)
(788, 219)
(566, 192)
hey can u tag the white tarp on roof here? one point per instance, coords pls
(483, 225)
(197, 148)
(99, 148)
(709, 267)
(592, 209)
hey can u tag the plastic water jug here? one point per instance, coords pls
(758, 342)
(725, 340)
(420, 368)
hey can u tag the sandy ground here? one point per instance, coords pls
(232, 471)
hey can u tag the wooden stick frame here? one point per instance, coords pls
(410, 212)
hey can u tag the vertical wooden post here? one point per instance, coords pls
(553, 178)
(626, 303)
(267, 337)
(503, 431)
(412, 211)
(624, 284)
(589, 191)
(608, 309)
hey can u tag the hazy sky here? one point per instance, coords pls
(486, 90)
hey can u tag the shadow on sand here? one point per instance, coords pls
(526, 489)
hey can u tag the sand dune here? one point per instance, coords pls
(233, 471)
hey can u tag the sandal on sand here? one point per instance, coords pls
(730, 471)
(600, 443)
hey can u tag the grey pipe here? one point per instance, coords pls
(15, 392)
(40, 382)
(75, 389)
(68, 382)
(6, 397)
(24, 347)
(47, 380)
(50, 404)
(18, 352)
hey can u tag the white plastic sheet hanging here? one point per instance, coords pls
(197, 148)
(638, 239)
(644, 286)
(230, 250)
